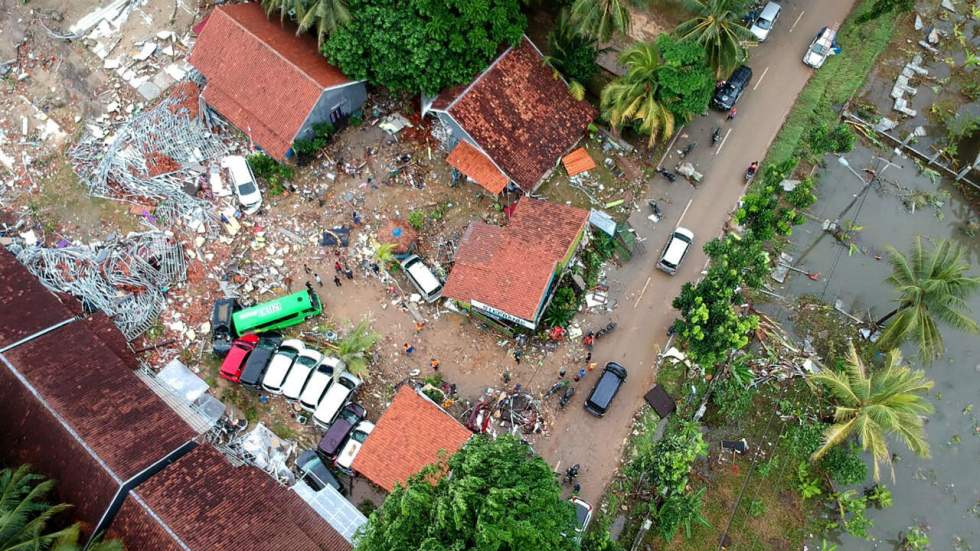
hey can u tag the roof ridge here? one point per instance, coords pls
(466, 90)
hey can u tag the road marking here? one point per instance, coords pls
(691, 200)
(797, 21)
(677, 134)
(723, 140)
(635, 304)
(758, 82)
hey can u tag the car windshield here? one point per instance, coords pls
(819, 49)
(763, 23)
(581, 514)
(360, 436)
(306, 361)
(247, 188)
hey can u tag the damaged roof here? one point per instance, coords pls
(261, 76)
(510, 268)
(26, 306)
(520, 114)
(410, 435)
(477, 167)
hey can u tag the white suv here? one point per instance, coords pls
(764, 23)
(675, 250)
(303, 367)
(339, 393)
(243, 183)
(325, 373)
(426, 282)
(282, 361)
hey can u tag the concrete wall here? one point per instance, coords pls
(351, 97)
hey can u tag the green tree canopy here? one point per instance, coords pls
(422, 46)
(717, 27)
(498, 495)
(685, 80)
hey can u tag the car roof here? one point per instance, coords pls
(605, 389)
(238, 168)
(770, 10)
(422, 274)
(675, 250)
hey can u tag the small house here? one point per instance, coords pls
(270, 83)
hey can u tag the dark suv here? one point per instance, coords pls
(330, 444)
(613, 376)
(728, 93)
(259, 359)
(221, 332)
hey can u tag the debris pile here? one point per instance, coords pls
(127, 278)
(517, 411)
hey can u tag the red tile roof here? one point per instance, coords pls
(476, 166)
(261, 76)
(521, 115)
(577, 162)
(26, 306)
(510, 268)
(206, 503)
(410, 435)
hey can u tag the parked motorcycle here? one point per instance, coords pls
(716, 136)
(687, 150)
(606, 330)
(571, 474)
(655, 208)
(566, 397)
(556, 387)
(751, 171)
(667, 174)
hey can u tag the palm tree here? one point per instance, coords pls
(571, 54)
(24, 514)
(717, 26)
(632, 98)
(353, 348)
(324, 15)
(931, 286)
(889, 402)
(599, 18)
(284, 7)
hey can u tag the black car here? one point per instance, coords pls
(349, 417)
(613, 376)
(728, 93)
(315, 473)
(221, 332)
(258, 360)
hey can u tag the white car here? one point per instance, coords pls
(357, 437)
(275, 374)
(422, 278)
(243, 183)
(337, 395)
(324, 374)
(821, 48)
(764, 23)
(302, 368)
(675, 250)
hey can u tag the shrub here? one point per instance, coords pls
(844, 465)
(673, 456)
(562, 309)
(416, 219)
(305, 149)
(680, 510)
(274, 173)
(732, 399)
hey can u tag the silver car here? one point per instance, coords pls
(764, 23)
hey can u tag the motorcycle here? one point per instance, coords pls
(687, 150)
(751, 171)
(655, 208)
(556, 387)
(667, 174)
(571, 474)
(566, 397)
(605, 330)
(716, 136)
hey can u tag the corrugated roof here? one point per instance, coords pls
(577, 162)
(520, 114)
(409, 436)
(476, 166)
(206, 503)
(261, 76)
(510, 268)
(26, 306)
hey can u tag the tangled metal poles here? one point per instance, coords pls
(127, 278)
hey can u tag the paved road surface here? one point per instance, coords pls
(644, 308)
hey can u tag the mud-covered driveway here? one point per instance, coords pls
(644, 293)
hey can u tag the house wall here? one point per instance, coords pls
(352, 96)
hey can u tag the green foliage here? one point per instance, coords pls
(717, 27)
(305, 149)
(274, 173)
(709, 326)
(757, 508)
(422, 46)
(353, 349)
(499, 496)
(732, 399)
(801, 440)
(802, 196)
(325, 16)
(673, 456)
(680, 510)
(416, 219)
(844, 465)
(599, 19)
(685, 80)
(806, 483)
(571, 54)
(822, 139)
(881, 7)
(564, 304)
(761, 211)
(849, 508)
(597, 538)
(915, 539)
(879, 496)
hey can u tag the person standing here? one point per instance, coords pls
(316, 277)
(408, 349)
(336, 281)
(435, 364)
(517, 356)
(732, 113)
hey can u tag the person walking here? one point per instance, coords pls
(336, 281)
(349, 273)
(337, 267)
(316, 277)
(732, 113)
(306, 269)
(517, 356)
(435, 364)
(580, 375)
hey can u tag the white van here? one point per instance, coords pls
(339, 393)
(422, 278)
(320, 380)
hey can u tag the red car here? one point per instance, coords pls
(234, 363)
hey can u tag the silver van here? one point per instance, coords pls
(422, 278)
(764, 23)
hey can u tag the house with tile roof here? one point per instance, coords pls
(508, 274)
(512, 124)
(412, 433)
(270, 83)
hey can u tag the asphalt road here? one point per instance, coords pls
(644, 294)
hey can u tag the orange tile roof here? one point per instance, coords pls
(261, 76)
(509, 268)
(520, 114)
(409, 436)
(477, 167)
(578, 161)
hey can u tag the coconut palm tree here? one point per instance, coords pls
(353, 348)
(24, 513)
(571, 55)
(717, 26)
(600, 18)
(632, 98)
(931, 286)
(326, 16)
(889, 402)
(284, 7)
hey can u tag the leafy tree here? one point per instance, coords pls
(881, 7)
(680, 510)
(717, 27)
(740, 260)
(353, 348)
(571, 54)
(844, 465)
(497, 495)
(422, 45)
(931, 286)
(685, 80)
(891, 401)
(673, 456)
(598, 19)
(709, 326)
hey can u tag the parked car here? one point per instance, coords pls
(259, 360)
(583, 516)
(231, 368)
(422, 278)
(324, 374)
(675, 250)
(349, 417)
(821, 48)
(764, 22)
(279, 366)
(613, 376)
(221, 330)
(337, 395)
(243, 183)
(728, 93)
(304, 366)
(315, 472)
(357, 437)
